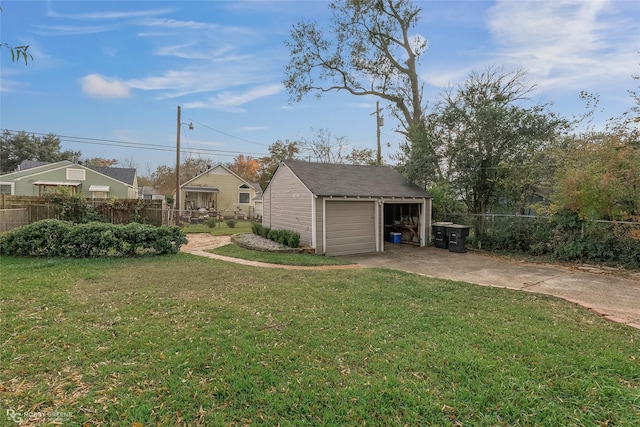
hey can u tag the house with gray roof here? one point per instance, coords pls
(346, 209)
(39, 178)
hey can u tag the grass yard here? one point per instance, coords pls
(185, 340)
(284, 258)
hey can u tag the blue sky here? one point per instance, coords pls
(108, 76)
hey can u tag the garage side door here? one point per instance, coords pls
(350, 227)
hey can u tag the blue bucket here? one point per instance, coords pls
(396, 237)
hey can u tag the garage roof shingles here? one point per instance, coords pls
(328, 179)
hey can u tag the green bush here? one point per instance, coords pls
(256, 228)
(565, 237)
(211, 222)
(284, 237)
(53, 238)
(293, 240)
(73, 208)
(520, 235)
(231, 223)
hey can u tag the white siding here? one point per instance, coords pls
(350, 227)
(287, 204)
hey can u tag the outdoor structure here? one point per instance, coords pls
(219, 191)
(147, 192)
(346, 209)
(39, 178)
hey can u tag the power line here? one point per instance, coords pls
(227, 134)
(130, 144)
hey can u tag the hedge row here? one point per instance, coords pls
(566, 237)
(284, 237)
(56, 238)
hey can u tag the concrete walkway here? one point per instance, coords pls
(610, 296)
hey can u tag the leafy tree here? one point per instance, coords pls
(367, 51)
(246, 167)
(627, 126)
(598, 178)
(598, 173)
(100, 162)
(20, 146)
(482, 139)
(18, 52)
(164, 177)
(279, 151)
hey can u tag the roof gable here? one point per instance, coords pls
(218, 169)
(329, 179)
(111, 174)
(45, 166)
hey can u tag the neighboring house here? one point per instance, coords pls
(147, 192)
(220, 190)
(257, 201)
(39, 178)
(346, 209)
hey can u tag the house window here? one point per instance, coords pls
(76, 174)
(244, 197)
(5, 189)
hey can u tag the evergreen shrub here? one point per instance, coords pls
(284, 237)
(56, 238)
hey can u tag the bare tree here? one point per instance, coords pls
(326, 148)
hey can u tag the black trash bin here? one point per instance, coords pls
(440, 239)
(457, 237)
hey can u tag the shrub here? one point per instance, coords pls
(231, 223)
(211, 222)
(73, 208)
(256, 228)
(284, 237)
(293, 240)
(40, 238)
(565, 237)
(95, 239)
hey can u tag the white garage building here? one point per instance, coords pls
(346, 209)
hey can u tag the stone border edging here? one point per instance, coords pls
(245, 245)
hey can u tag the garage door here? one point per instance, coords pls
(350, 227)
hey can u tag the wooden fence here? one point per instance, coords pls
(11, 218)
(21, 210)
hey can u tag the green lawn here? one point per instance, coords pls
(284, 258)
(186, 340)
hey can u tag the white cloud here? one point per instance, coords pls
(175, 83)
(231, 102)
(107, 14)
(567, 44)
(72, 30)
(97, 86)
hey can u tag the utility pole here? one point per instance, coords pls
(379, 123)
(177, 201)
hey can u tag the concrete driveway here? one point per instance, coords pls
(613, 297)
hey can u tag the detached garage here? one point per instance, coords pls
(346, 209)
